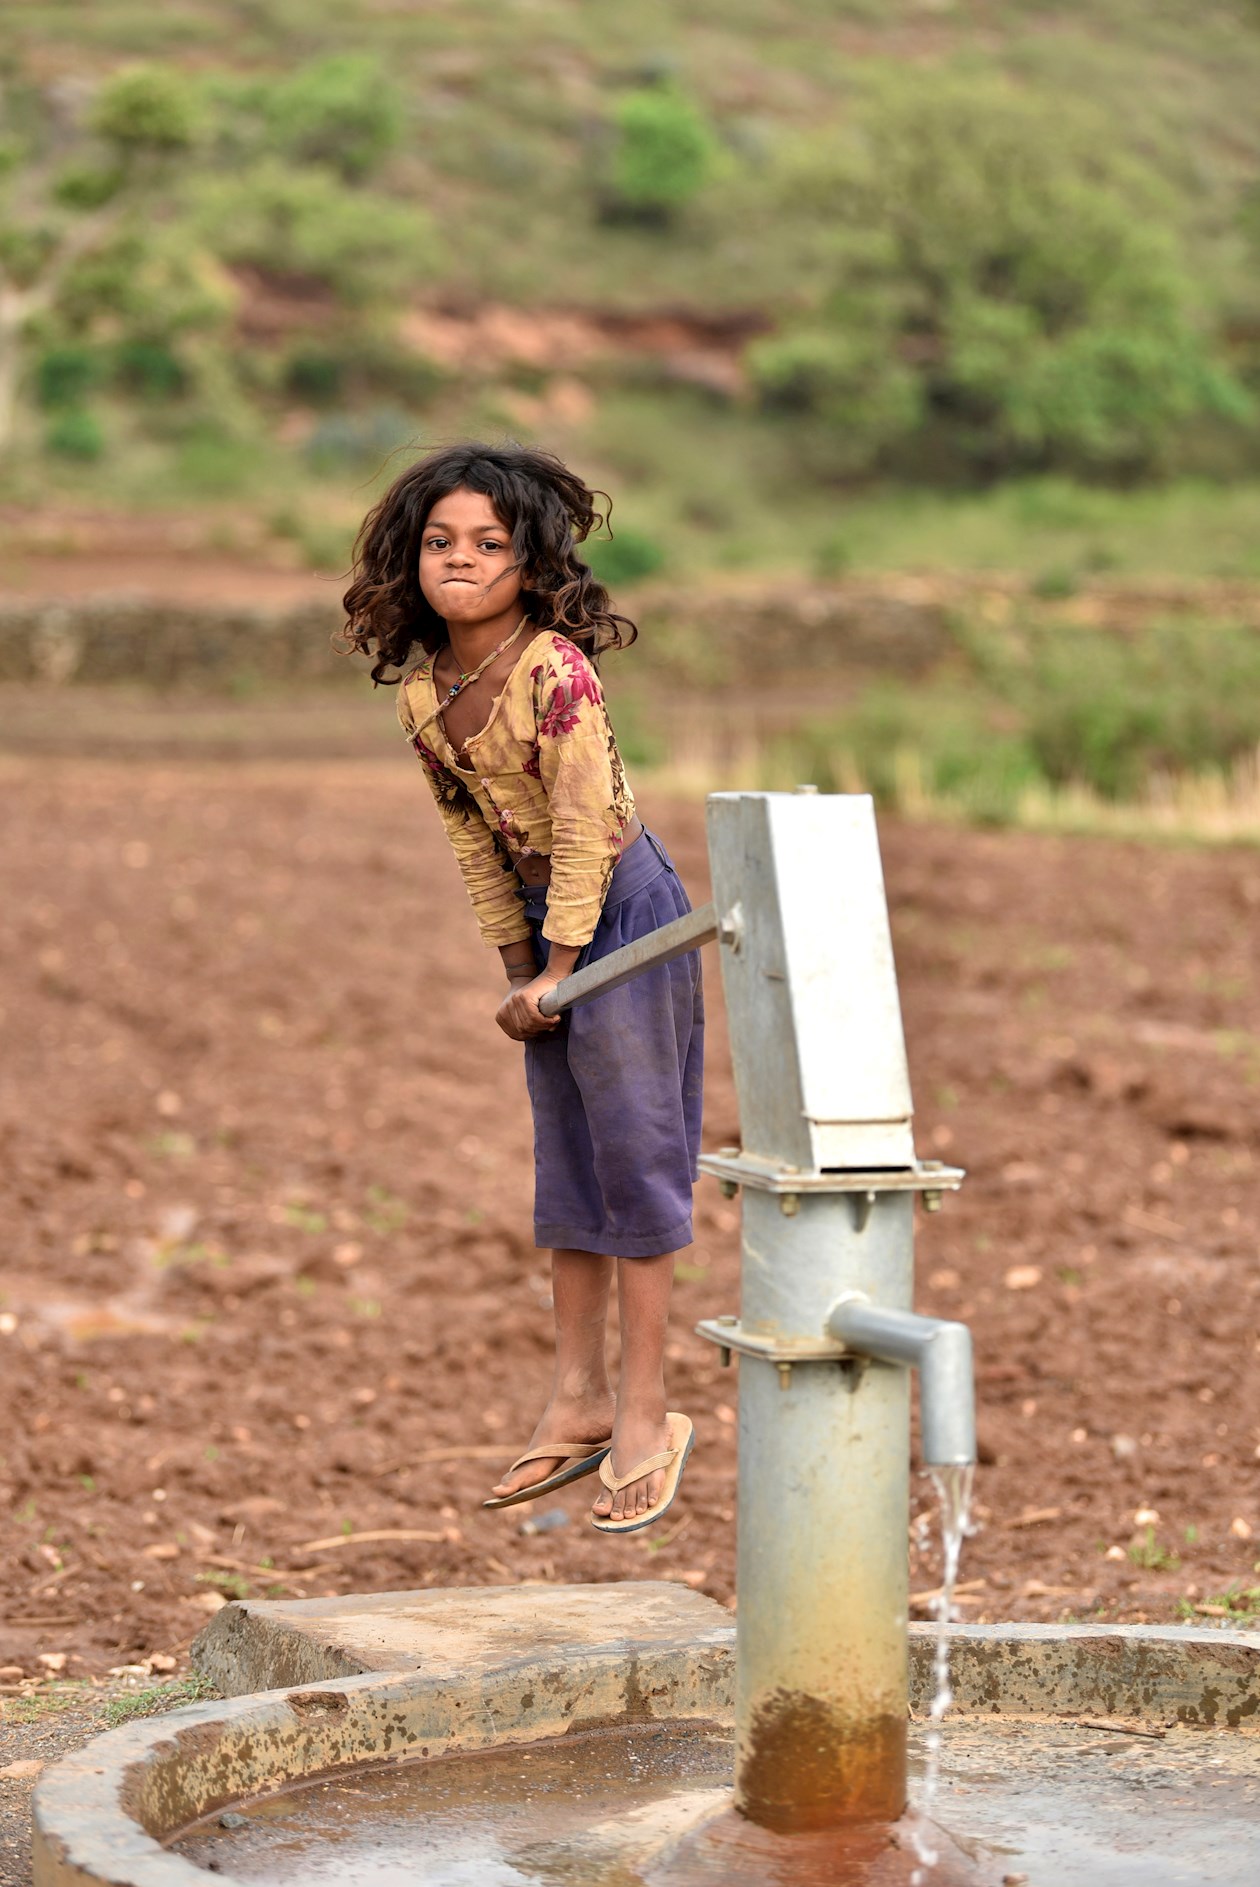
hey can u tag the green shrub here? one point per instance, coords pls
(317, 377)
(663, 153)
(286, 221)
(344, 112)
(150, 285)
(87, 186)
(948, 743)
(149, 368)
(146, 109)
(628, 557)
(1052, 706)
(64, 376)
(1005, 276)
(359, 364)
(1055, 584)
(76, 434)
(1112, 713)
(868, 398)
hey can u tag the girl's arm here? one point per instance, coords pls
(588, 799)
(590, 807)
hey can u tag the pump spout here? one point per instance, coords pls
(940, 1351)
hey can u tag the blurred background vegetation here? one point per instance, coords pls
(824, 293)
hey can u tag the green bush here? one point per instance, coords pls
(146, 109)
(1004, 276)
(314, 376)
(1055, 584)
(1112, 713)
(951, 744)
(343, 112)
(76, 434)
(83, 186)
(150, 285)
(628, 557)
(149, 368)
(287, 221)
(64, 376)
(662, 156)
(1052, 706)
(359, 364)
(869, 398)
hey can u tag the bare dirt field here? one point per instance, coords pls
(270, 1314)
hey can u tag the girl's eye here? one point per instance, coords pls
(435, 543)
(491, 543)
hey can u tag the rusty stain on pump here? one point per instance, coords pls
(807, 1766)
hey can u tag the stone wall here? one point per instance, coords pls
(141, 639)
(703, 637)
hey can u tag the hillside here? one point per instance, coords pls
(694, 247)
(506, 102)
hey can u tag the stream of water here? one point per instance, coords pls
(953, 1487)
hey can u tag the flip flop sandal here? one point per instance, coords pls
(673, 1459)
(582, 1457)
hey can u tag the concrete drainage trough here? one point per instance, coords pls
(315, 1686)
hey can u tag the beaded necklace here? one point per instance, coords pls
(465, 678)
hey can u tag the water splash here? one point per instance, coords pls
(953, 1487)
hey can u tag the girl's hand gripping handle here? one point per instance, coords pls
(519, 1015)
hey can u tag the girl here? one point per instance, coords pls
(471, 554)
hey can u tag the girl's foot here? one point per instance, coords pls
(560, 1421)
(636, 1435)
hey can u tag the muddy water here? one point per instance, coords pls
(548, 1813)
(1058, 1804)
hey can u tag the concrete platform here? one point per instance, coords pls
(319, 1687)
(377, 1678)
(461, 1632)
(1146, 1673)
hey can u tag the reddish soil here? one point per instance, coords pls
(268, 1277)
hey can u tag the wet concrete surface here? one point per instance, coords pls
(1053, 1804)
(574, 1809)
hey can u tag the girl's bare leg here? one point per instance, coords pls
(580, 1407)
(643, 1289)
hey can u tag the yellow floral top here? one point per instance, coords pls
(545, 780)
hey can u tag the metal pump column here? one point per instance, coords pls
(828, 1174)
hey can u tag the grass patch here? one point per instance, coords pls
(385, 1214)
(1038, 723)
(1151, 1556)
(52, 1700)
(157, 1698)
(232, 1584)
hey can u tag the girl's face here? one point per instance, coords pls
(467, 564)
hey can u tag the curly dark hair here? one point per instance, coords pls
(546, 507)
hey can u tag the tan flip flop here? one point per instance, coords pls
(582, 1457)
(673, 1459)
